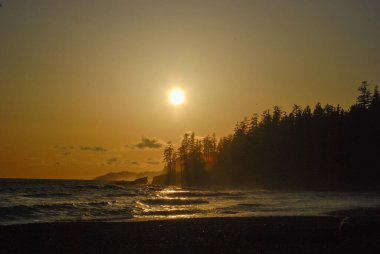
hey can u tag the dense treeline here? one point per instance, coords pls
(192, 163)
(326, 148)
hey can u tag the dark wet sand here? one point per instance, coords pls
(215, 235)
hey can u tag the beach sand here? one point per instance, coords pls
(208, 235)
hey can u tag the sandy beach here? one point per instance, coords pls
(209, 235)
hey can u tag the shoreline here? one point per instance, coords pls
(313, 234)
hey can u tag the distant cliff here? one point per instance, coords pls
(127, 175)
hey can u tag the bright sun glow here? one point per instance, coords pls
(176, 97)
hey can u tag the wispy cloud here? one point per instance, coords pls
(151, 143)
(113, 161)
(93, 148)
(154, 162)
(65, 150)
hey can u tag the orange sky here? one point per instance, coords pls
(95, 74)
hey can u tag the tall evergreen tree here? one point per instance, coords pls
(375, 101)
(364, 98)
(169, 159)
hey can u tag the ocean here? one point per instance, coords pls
(38, 201)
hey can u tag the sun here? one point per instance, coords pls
(176, 96)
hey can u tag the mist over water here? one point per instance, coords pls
(35, 201)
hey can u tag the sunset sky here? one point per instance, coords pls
(84, 84)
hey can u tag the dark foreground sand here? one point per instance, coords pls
(216, 235)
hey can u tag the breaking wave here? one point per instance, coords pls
(47, 195)
(190, 194)
(171, 212)
(38, 201)
(173, 201)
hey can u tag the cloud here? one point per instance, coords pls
(154, 162)
(65, 150)
(113, 161)
(93, 148)
(149, 143)
(151, 161)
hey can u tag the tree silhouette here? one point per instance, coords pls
(169, 159)
(375, 101)
(323, 148)
(364, 97)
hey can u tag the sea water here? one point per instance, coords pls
(38, 201)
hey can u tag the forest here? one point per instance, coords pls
(320, 148)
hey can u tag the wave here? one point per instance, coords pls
(121, 195)
(47, 195)
(70, 211)
(222, 211)
(26, 211)
(98, 186)
(254, 205)
(171, 212)
(242, 207)
(49, 201)
(104, 213)
(118, 217)
(102, 203)
(16, 211)
(173, 201)
(205, 194)
(56, 206)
